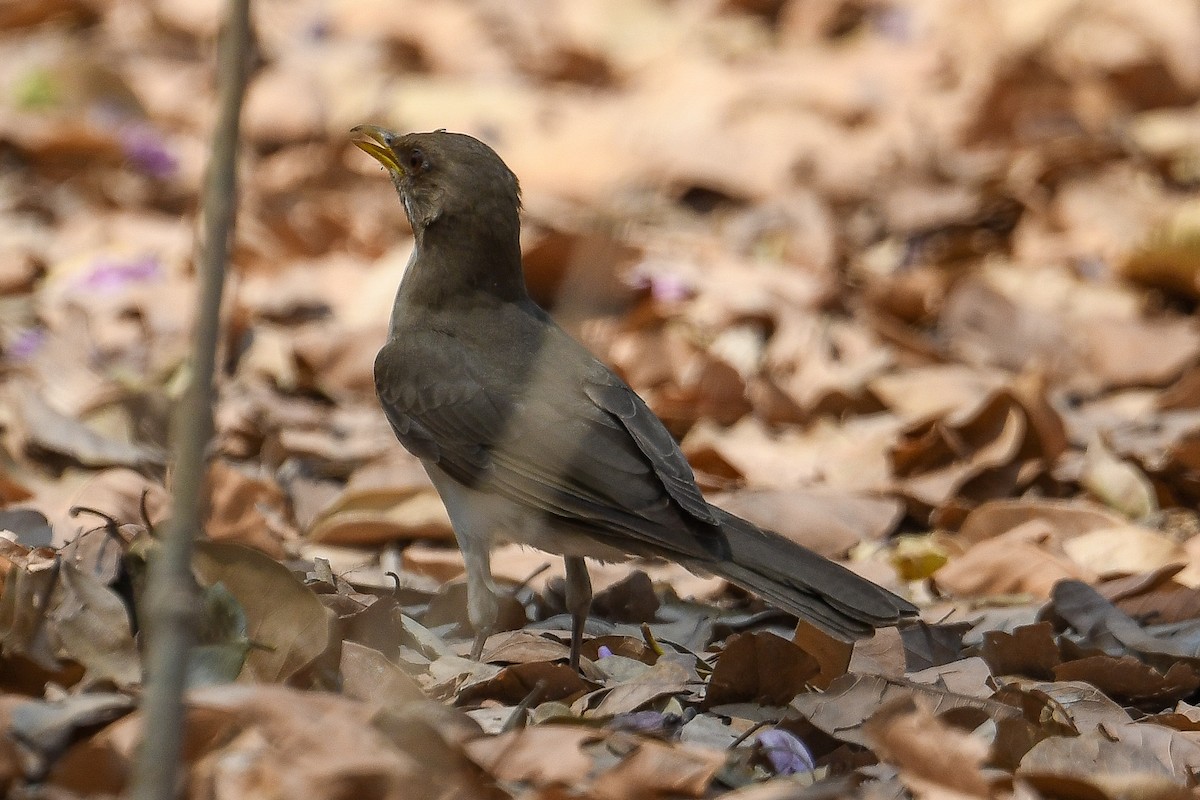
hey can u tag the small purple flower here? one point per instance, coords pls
(665, 286)
(670, 288)
(603, 652)
(26, 344)
(146, 149)
(109, 276)
(784, 751)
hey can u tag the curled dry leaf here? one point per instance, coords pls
(666, 677)
(1118, 484)
(832, 655)
(976, 452)
(32, 577)
(850, 701)
(1028, 559)
(247, 509)
(367, 675)
(932, 757)
(1092, 762)
(1086, 610)
(1130, 681)
(1127, 549)
(359, 518)
(544, 755)
(656, 769)
(91, 624)
(1157, 596)
(1068, 518)
(275, 742)
(541, 679)
(285, 621)
(47, 728)
(1169, 257)
(522, 647)
(50, 432)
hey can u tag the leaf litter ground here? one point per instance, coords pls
(914, 282)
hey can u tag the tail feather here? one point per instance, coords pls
(796, 579)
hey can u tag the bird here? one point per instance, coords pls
(528, 437)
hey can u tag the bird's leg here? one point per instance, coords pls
(483, 608)
(579, 602)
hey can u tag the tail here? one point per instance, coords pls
(796, 579)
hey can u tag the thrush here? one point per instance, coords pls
(527, 437)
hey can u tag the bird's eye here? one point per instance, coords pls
(416, 160)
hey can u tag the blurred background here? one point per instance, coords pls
(878, 263)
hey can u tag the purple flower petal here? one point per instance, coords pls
(26, 344)
(603, 652)
(147, 151)
(109, 276)
(784, 751)
(665, 285)
(670, 288)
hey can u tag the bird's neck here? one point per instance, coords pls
(462, 263)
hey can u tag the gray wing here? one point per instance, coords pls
(585, 450)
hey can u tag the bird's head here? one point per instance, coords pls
(443, 175)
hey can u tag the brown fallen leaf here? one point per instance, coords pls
(978, 453)
(1156, 596)
(1118, 484)
(31, 579)
(1068, 518)
(882, 654)
(832, 655)
(247, 509)
(1086, 610)
(522, 647)
(1130, 681)
(91, 625)
(1027, 559)
(283, 616)
(262, 741)
(511, 685)
(1124, 550)
(934, 759)
(49, 432)
(367, 675)
(544, 755)
(657, 769)
(851, 700)
(665, 677)
(47, 728)
(759, 667)
(968, 677)
(1030, 650)
(1113, 768)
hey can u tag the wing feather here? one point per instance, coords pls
(586, 454)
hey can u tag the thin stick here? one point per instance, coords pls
(170, 606)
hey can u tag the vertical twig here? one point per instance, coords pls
(170, 604)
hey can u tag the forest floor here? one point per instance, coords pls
(914, 282)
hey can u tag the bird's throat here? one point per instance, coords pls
(455, 264)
